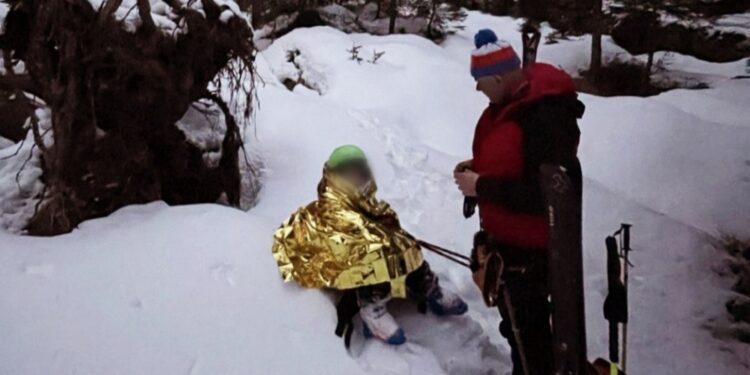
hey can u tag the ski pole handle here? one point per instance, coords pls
(626, 237)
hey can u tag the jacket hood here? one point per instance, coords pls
(541, 80)
(333, 187)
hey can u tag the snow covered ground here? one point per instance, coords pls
(194, 290)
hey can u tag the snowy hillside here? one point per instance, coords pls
(194, 289)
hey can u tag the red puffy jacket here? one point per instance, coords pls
(498, 150)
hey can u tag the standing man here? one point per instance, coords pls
(531, 120)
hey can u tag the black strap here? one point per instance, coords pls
(346, 309)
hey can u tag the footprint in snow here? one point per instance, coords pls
(136, 303)
(42, 270)
(436, 345)
(223, 272)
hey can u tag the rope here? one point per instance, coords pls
(453, 256)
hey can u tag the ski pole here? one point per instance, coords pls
(625, 250)
(613, 301)
(616, 303)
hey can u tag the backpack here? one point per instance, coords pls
(551, 135)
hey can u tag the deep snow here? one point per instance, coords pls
(160, 290)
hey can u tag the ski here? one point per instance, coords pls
(563, 202)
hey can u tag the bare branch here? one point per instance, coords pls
(15, 153)
(174, 4)
(127, 14)
(144, 9)
(23, 166)
(231, 144)
(18, 83)
(108, 10)
(38, 137)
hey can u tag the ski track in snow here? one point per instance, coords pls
(443, 340)
(420, 186)
(414, 177)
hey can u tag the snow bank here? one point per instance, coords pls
(158, 290)
(204, 126)
(4, 8)
(738, 23)
(673, 155)
(154, 289)
(433, 113)
(20, 172)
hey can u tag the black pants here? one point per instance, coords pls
(526, 281)
(418, 284)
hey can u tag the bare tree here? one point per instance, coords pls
(393, 14)
(596, 38)
(115, 97)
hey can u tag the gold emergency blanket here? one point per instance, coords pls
(346, 239)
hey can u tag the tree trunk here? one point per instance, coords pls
(500, 7)
(647, 73)
(596, 54)
(393, 13)
(256, 13)
(115, 97)
(596, 39)
(433, 16)
(534, 10)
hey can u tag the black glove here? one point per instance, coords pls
(470, 206)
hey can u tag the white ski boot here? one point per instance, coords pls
(379, 323)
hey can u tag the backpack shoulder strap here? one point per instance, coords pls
(550, 131)
(551, 135)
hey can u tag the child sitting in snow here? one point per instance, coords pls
(349, 240)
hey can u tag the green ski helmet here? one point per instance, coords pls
(343, 154)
